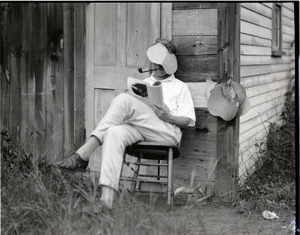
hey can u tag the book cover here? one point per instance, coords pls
(145, 91)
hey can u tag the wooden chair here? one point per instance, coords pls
(152, 151)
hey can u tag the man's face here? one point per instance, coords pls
(159, 70)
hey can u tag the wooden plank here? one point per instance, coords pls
(17, 55)
(5, 45)
(166, 21)
(198, 147)
(255, 60)
(228, 132)
(288, 13)
(199, 91)
(254, 40)
(261, 98)
(105, 48)
(288, 22)
(254, 18)
(195, 45)
(117, 76)
(289, 5)
(258, 7)
(268, 111)
(250, 133)
(89, 73)
(252, 29)
(195, 5)
(79, 68)
(255, 70)
(288, 30)
(255, 50)
(55, 84)
(68, 11)
(262, 79)
(143, 27)
(197, 68)
(121, 34)
(195, 22)
(253, 91)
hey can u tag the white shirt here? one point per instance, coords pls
(177, 97)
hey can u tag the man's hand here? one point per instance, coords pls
(164, 114)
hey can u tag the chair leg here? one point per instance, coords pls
(170, 180)
(135, 175)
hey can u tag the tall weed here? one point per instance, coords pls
(272, 184)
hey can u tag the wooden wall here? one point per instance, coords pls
(265, 77)
(38, 78)
(195, 33)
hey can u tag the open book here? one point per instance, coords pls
(146, 92)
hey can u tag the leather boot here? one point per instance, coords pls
(72, 163)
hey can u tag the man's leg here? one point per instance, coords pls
(115, 141)
(127, 109)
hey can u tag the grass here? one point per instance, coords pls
(39, 199)
(272, 184)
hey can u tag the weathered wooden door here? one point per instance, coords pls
(118, 35)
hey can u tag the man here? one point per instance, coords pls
(129, 120)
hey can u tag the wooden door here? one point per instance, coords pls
(118, 35)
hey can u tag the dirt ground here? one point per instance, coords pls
(217, 217)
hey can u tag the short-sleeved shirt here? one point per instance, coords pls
(177, 97)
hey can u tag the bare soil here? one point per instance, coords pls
(218, 217)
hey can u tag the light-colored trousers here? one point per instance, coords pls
(127, 121)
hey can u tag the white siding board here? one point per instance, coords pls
(255, 110)
(288, 38)
(267, 4)
(255, 60)
(288, 30)
(256, 30)
(269, 111)
(262, 126)
(255, 70)
(287, 13)
(289, 5)
(259, 8)
(255, 40)
(254, 18)
(264, 59)
(288, 22)
(255, 50)
(263, 89)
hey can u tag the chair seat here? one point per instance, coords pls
(153, 150)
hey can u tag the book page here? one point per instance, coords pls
(155, 94)
(145, 92)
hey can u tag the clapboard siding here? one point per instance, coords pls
(265, 77)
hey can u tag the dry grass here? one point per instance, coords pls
(39, 199)
(272, 184)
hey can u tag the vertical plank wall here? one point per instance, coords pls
(32, 89)
(265, 77)
(33, 70)
(194, 33)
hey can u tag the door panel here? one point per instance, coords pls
(121, 34)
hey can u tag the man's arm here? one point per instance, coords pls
(165, 115)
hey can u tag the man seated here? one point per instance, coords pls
(129, 120)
